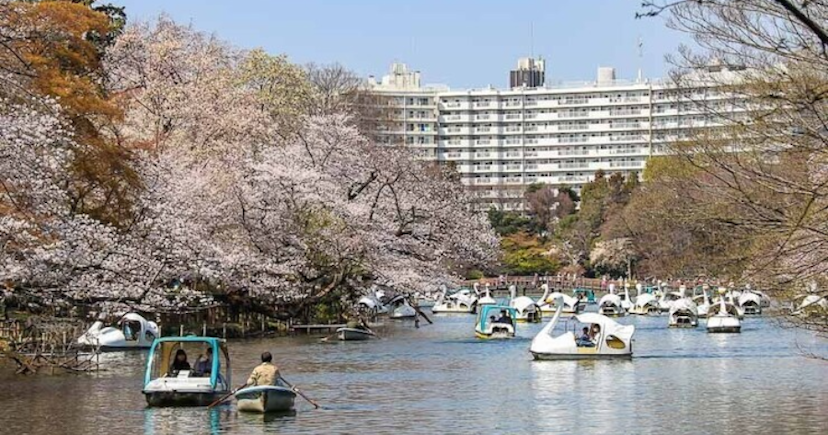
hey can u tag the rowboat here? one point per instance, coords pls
(353, 334)
(265, 398)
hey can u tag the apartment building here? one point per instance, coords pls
(502, 140)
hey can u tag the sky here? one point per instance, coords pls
(461, 43)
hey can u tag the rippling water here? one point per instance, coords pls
(439, 379)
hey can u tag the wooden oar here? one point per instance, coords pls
(225, 397)
(296, 390)
(420, 312)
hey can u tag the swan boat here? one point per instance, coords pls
(132, 331)
(750, 303)
(547, 302)
(463, 301)
(610, 305)
(527, 309)
(399, 308)
(683, 314)
(723, 317)
(265, 398)
(645, 304)
(487, 298)
(164, 386)
(610, 340)
(487, 326)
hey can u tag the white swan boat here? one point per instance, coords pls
(491, 324)
(750, 303)
(527, 309)
(645, 304)
(265, 398)
(683, 314)
(547, 302)
(723, 317)
(609, 340)
(487, 298)
(626, 303)
(610, 305)
(399, 308)
(132, 331)
(372, 303)
(463, 301)
(702, 302)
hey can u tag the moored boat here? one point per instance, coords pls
(164, 385)
(353, 334)
(132, 331)
(265, 398)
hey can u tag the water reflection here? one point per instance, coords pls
(438, 379)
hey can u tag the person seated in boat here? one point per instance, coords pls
(204, 363)
(593, 332)
(585, 340)
(265, 373)
(179, 362)
(504, 317)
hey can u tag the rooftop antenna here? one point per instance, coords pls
(640, 58)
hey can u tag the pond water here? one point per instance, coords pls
(440, 379)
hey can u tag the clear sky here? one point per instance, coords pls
(462, 43)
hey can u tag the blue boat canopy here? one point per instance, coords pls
(494, 310)
(161, 356)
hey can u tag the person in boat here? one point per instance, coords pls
(265, 373)
(586, 339)
(504, 317)
(204, 363)
(593, 332)
(180, 362)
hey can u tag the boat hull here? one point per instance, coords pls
(540, 356)
(160, 399)
(265, 399)
(352, 334)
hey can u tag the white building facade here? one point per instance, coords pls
(501, 141)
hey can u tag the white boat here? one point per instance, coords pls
(667, 298)
(626, 303)
(702, 302)
(547, 302)
(810, 303)
(645, 304)
(610, 305)
(463, 301)
(683, 314)
(489, 325)
(425, 300)
(610, 340)
(132, 331)
(723, 317)
(372, 303)
(164, 385)
(487, 298)
(353, 334)
(265, 398)
(750, 303)
(527, 309)
(399, 308)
